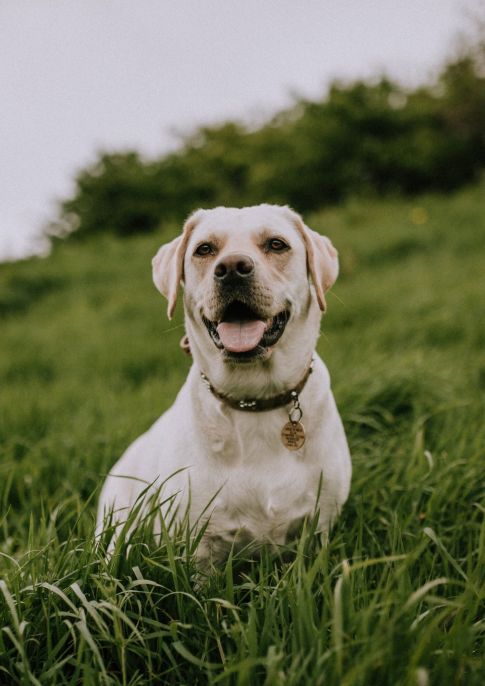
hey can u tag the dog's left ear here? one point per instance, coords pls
(168, 264)
(322, 258)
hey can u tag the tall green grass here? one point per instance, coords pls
(88, 361)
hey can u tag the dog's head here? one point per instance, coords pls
(254, 283)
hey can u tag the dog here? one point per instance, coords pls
(253, 443)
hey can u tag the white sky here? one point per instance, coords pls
(77, 76)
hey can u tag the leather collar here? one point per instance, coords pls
(261, 404)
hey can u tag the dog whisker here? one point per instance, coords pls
(173, 328)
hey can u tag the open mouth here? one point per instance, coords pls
(243, 333)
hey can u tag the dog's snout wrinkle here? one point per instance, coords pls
(233, 267)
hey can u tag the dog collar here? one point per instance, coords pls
(293, 432)
(261, 404)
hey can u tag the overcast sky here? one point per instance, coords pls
(78, 76)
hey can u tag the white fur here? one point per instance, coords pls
(257, 489)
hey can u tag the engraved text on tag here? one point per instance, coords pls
(293, 435)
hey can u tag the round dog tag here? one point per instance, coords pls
(293, 435)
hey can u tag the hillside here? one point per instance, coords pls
(87, 362)
(359, 137)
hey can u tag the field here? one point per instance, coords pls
(88, 361)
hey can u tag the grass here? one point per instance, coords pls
(88, 361)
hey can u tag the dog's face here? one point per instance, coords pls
(247, 292)
(244, 273)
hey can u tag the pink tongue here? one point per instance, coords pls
(241, 336)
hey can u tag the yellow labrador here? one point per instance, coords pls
(255, 425)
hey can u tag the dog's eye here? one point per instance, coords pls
(204, 249)
(276, 245)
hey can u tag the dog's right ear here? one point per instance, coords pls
(168, 263)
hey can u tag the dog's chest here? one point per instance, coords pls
(263, 500)
(248, 438)
(263, 489)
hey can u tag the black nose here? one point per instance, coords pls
(233, 265)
